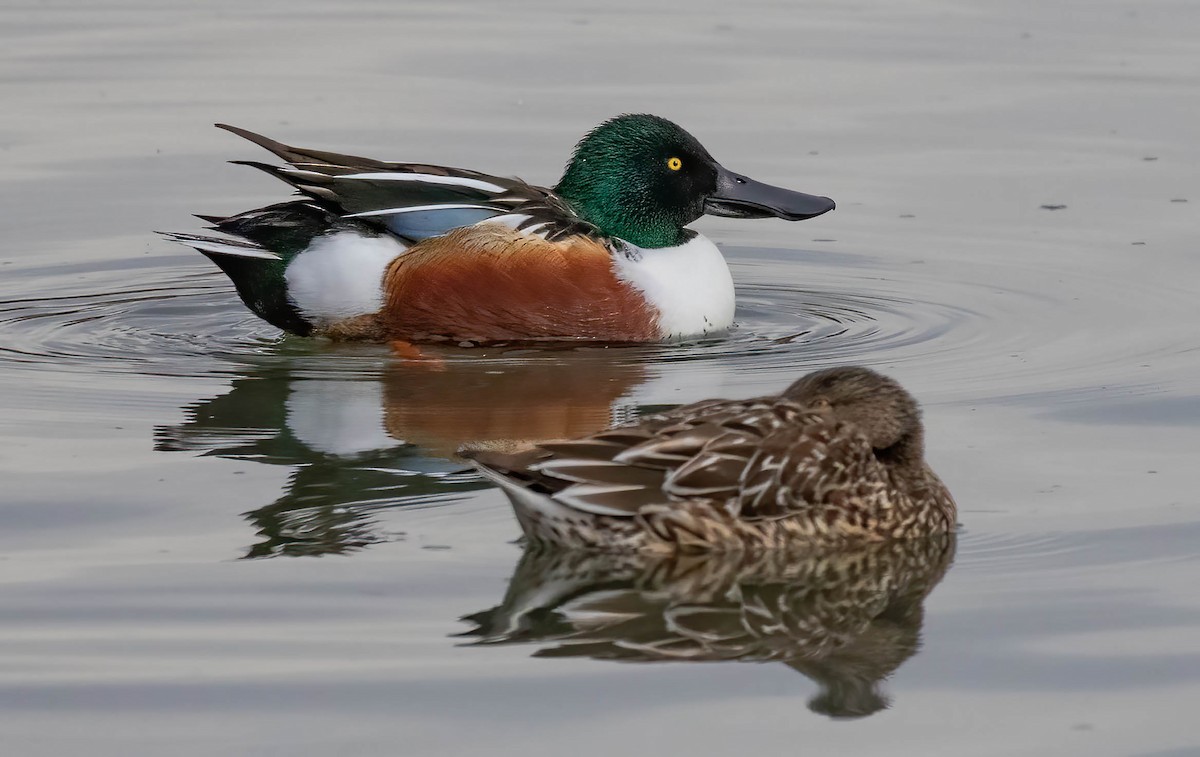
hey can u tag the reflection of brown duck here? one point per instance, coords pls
(506, 403)
(845, 618)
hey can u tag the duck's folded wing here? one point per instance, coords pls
(413, 200)
(699, 451)
(827, 465)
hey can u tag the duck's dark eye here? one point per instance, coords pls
(674, 163)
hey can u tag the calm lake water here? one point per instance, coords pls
(154, 435)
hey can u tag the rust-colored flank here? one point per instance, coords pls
(488, 283)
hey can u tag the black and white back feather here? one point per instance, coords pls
(411, 201)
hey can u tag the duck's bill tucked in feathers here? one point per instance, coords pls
(730, 475)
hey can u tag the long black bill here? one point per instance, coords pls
(740, 197)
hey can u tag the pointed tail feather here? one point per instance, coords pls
(286, 228)
(216, 246)
(354, 184)
(258, 275)
(531, 507)
(298, 155)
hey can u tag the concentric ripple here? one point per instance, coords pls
(797, 311)
(170, 321)
(1008, 555)
(186, 320)
(364, 432)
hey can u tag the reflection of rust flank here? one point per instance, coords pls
(488, 403)
(491, 283)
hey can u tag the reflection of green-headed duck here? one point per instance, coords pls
(420, 253)
(838, 457)
(367, 441)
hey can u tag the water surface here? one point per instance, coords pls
(154, 435)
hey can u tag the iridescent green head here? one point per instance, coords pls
(643, 178)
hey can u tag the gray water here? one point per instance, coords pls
(154, 434)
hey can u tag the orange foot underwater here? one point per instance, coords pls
(411, 353)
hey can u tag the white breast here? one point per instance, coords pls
(689, 284)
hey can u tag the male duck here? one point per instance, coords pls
(837, 458)
(420, 253)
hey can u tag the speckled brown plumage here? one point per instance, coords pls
(846, 617)
(836, 458)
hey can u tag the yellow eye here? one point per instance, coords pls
(674, 164)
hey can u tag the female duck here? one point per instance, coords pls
(421, 253)
(837, 458)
